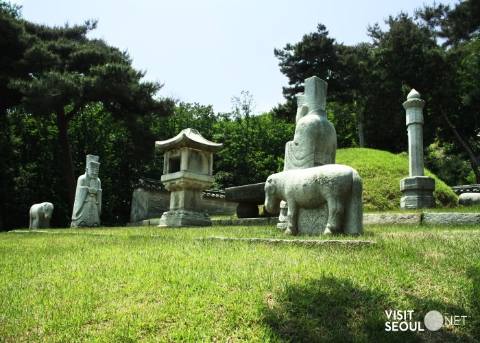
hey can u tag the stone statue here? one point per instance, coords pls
(314, 143)
(40, 215)
(88, 196)
(315, 140)
(336, 185)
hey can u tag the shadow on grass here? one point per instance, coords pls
(473, 274)
(334, 310)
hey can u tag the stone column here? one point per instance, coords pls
(417, 189)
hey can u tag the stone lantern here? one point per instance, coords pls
(187, 172)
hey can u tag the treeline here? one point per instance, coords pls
(32, 169)
(65, 96)
(436, 51)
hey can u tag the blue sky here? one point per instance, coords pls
(207, 51)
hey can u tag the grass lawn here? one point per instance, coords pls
(177, 285)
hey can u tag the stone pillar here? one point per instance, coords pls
(417, 189)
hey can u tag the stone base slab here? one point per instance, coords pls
(308, 242)
(451, 218)
(368, 219)
(245, 221)
(392, 219)
(184, 218)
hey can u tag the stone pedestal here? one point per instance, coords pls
(417, 192)
(312, 221)
(186, 197)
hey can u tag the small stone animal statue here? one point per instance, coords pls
(337, 185)
(40, 215)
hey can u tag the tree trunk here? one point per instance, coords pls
(361, 137)
(62, 122)
(471, 155)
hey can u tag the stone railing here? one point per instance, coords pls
(475, 188)
(150, 199)
(145, 182)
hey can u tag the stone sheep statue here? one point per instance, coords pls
(40, 215)
(337, 185)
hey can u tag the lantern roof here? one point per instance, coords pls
(189, 138)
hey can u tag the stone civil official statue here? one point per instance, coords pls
(315, 140)
(88, 197)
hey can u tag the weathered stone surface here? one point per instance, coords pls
(245, 221)
(140, 205)
(314, 144)
(253, 193)
(188, 167)
(88, 196)
(248, 198)
(417, 192)
(312, 222)
(282, 218)
(335, 185)
(469, 199)
(150, 200)
(368, 219)
(473, 188)
(40, 215)
(308, 242)
(392, 219)
(315, 139)
(417, 189)
(451, 218)
(183, 218)
(189, 138)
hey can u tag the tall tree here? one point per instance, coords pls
(315, 55)
(457, 98)
(455, 25)
(12, 47)
(254, 144)
(347, 69)
(66, 72)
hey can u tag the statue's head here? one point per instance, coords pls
(92, 169)
(92, 166)
(314, 97)
(272, 201)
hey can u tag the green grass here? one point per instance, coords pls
(381, 173)
(177, 285)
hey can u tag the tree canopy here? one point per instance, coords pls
(435, 52)
(66, 96)
(59, 71)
